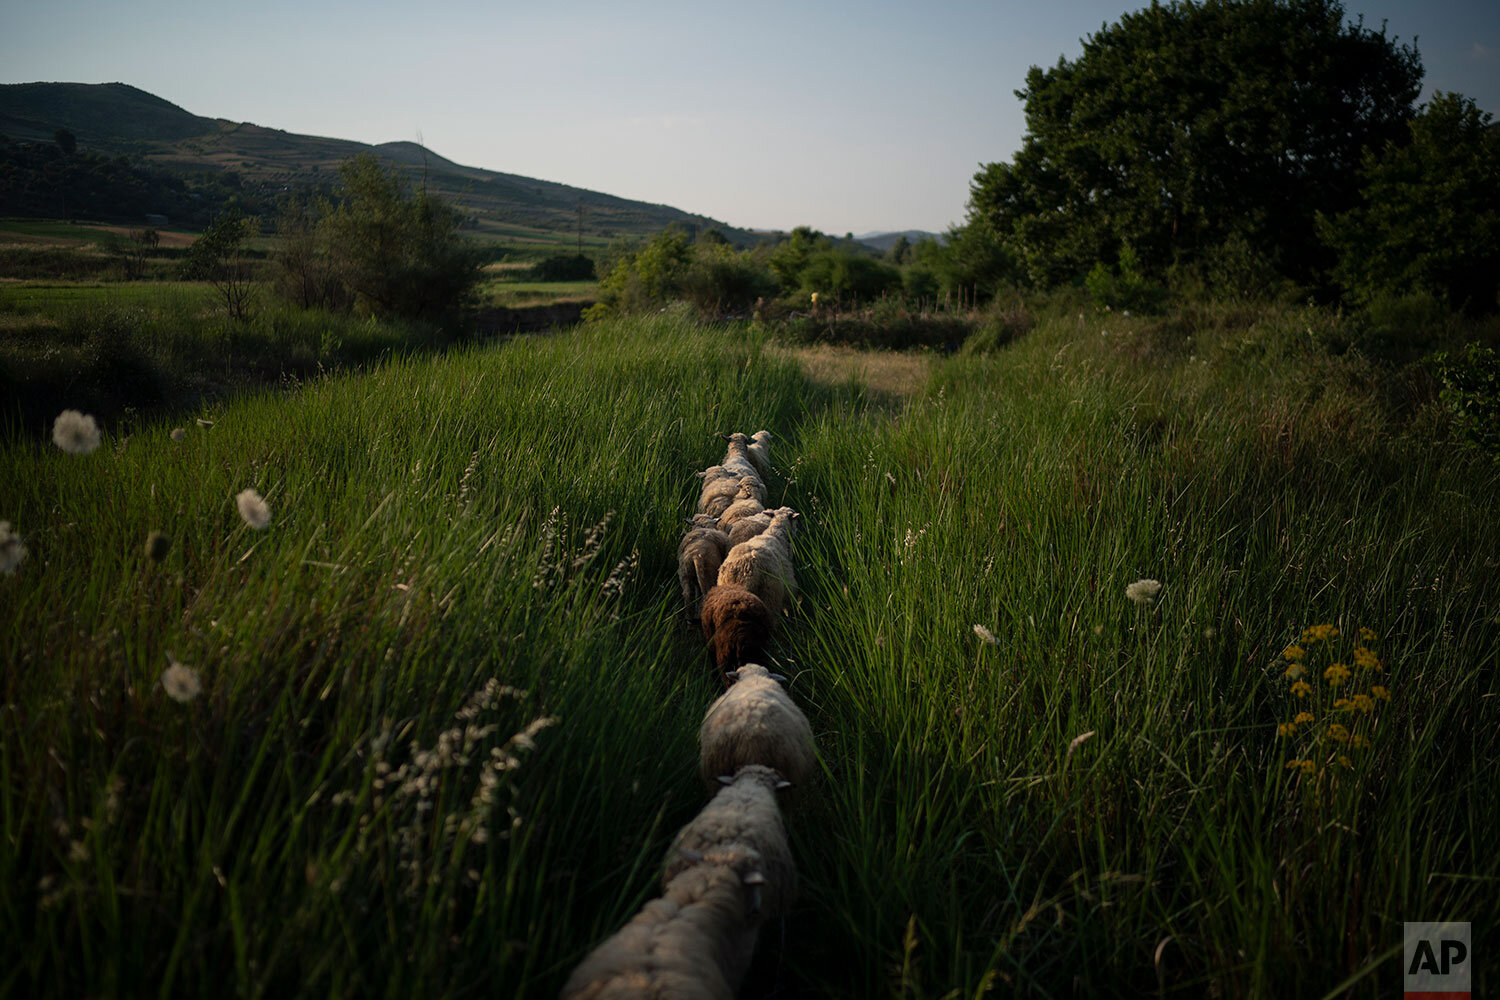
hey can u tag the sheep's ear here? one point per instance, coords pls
(724, 436)
(690, 854)
(755, 878)
(726, 779)
(733, 675)
(778, 678)
(783, 785)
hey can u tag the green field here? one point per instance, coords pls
(1096, 802)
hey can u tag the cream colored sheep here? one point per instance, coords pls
(755, 722)
(760, 451)
(746, 528)
(763, 565)
(741, 827)
(746, 504)
(699, 555)
(737, 455)
(721, 488)
(694, 943)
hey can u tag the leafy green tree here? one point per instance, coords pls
(789, 259)
(1187, 123)
(900, 252)
(66, 141)
(218, 257)
(1429, 218)
(399, 254)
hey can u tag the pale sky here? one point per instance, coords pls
(849, 117)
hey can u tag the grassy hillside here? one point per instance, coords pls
(1089, 798)
(116, 118)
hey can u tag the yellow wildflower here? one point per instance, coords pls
(1364, 703)
(1336, 674)
(1309, 767)
(1366, 659)
(1367, 635)
(1294, 652)
(1303, 717)
(1302, 689)
(1345, 761)
(1338, 733)
(1358, 741)
(1319, 633)
(1294, 671)
(1286, 729)
(1380, 692)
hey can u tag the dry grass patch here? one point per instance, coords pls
(897, 373)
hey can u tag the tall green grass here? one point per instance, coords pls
(512, 513)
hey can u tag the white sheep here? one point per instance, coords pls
(747, 528)
(763, 565)
(699, 555)
(755, 722)
(721, 488)
(760, 451)
(737, 455)
(741, 827)
(694, 943)
(746, 504)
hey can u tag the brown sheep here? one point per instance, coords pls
(737, 627)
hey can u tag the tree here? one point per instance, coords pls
(1186, 124)
(218, 257)
(398, 254)
(66, 141)
(1429, 216)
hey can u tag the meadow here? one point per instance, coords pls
(449, 702)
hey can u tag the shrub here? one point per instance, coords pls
(1124, 286)
(564, 267)
(1471, 390)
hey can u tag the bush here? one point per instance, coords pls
(564, 267)
(1124, 286)
(1000, 328)
(1471, 390)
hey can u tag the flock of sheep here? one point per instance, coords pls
(731, 867)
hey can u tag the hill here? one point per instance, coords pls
(884, 241)
(117, 119)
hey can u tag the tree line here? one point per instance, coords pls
(1244, 145)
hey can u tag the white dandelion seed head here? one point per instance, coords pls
(12, 549)
(253, 509)
(75, 433)
(986, 635)
(181, 682)
(1143, 591)
(178, 434)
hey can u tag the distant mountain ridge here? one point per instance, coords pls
(118, 119)
(883, 241)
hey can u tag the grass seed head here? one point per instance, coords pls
(1143, 591)
(181, 682)
(12, 549)
(253, 509)
(75, 433)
